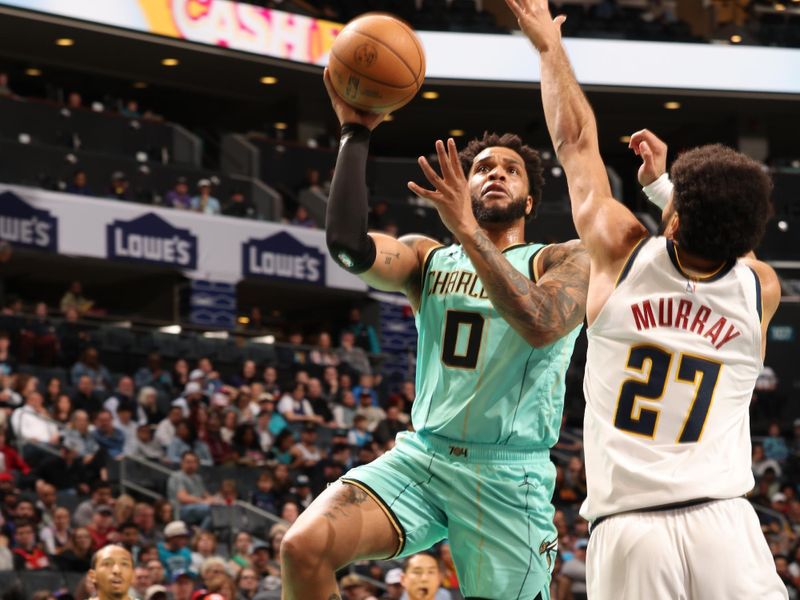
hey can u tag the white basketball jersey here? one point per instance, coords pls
(670, 370)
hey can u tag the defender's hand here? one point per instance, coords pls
(537, 23)
(451, 194)
(346, 113)
(653, 151)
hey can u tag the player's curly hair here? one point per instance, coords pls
(722, 199)
(533, 162)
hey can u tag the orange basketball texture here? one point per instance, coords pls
(377, 63)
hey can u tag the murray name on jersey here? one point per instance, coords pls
(684, 314)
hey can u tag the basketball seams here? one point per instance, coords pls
(391, 50)
(420, 52)
(383, 83)
(390, 105)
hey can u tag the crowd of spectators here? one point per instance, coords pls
(300, 422)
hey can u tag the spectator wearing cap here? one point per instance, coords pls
(394, 586)
(65, 471)
(101, 527)
(355, 588)
(74, 298)
(204, 202)
(109, 438)
(351, 355)
(156, 592)
(575, 568)
(178, 197)
(238, 206)
(186, 440)
(295, 407)
(182, 586)
(173, 552)
(366, 408)
(306, 454)
(193, 393)
(185, 488)
(119, 189)
(302, 491)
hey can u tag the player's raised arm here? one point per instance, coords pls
(607, 228)
(541, 312)
(382, 261)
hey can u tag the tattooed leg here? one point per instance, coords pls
(343, 524)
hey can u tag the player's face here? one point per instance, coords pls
(498, 185)
(422, 578)
(113, 572)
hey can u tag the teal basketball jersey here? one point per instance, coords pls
(478, 380)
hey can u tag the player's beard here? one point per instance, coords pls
(513, 211)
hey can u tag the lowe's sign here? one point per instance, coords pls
(282, 256)
(151, 239)
(26, 226)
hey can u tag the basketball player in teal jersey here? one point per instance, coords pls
(497, 321)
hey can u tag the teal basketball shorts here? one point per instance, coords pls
(491, 502)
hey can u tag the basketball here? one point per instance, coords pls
(377, 63)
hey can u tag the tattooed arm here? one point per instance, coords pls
(540, 312)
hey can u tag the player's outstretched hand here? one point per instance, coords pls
(537, 23)
(653, 151)
(451, 191)
(345, 112)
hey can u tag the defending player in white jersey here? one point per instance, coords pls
(676, 329)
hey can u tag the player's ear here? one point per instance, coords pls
(672, 227)
(91, 576)
(530, 207)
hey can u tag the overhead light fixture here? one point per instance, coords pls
(216, 335)
(243, 320)
(280, 125)
(139, 85)
(736, 39)
(780, 7)
(33, 72)
(625, 139)
(170, 62)
(65, 42)
(269, 80)
(672, 105)
(430, 95)
(456, 132)
(173, 329)
(263, 339)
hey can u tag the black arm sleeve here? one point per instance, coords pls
(346, 219)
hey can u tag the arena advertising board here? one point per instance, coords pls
(205, 247)
(462, 56)
(282, 256)
(26, 226)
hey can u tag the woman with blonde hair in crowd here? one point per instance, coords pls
(123, 509)
(204, 545)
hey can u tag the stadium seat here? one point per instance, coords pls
(33, 581)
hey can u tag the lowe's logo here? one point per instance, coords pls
(23, 225)
(151, 239)
(281, 256)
